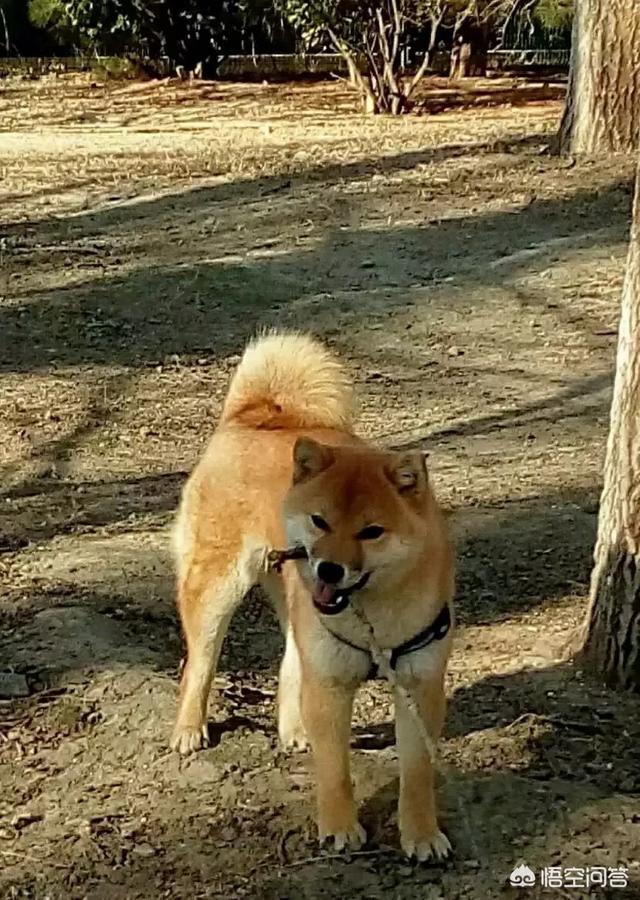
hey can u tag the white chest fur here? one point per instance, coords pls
(334, 659)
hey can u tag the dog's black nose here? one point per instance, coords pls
(330, 573)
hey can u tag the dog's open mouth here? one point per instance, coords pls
(329, 599)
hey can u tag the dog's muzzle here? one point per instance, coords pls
(327, 599)
(330, 600)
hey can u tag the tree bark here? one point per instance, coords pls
(602, 112)
(612, 627)
(468, 60)
(460, 65)
(434, 24)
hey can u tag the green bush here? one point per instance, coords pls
(554, 14)
(52, 17)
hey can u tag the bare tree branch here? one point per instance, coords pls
(7, 41)
(417, 78)
(518, 6)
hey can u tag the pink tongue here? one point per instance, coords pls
(324, 593)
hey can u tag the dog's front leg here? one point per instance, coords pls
(326, 712)
(419, 833)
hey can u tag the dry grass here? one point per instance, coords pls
(66, 140)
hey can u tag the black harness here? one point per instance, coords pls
(434, 632)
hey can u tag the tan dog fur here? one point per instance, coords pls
(285, 452)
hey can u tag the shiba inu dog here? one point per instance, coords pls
(284, 468)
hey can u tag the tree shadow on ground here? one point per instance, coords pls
(589, 392)
(526, 553)
(458, 96)
(576, 725)
(41, 508)
(211, 307)
(185, 204)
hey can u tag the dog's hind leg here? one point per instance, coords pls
(207, 598)
(290, 728)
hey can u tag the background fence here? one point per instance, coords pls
(263, 66)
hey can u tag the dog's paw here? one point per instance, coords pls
(293, 739)
(352, 838)
(189, 738)
(436, 847)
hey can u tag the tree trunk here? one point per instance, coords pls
(478, 61)
(460, 66)
(357, 80)
(468, 61)
(612, 638)
(602, 112)
(433, 40)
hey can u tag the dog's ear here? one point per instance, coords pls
(408, 472)
(310, 458)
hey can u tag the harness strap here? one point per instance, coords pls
(436, 631)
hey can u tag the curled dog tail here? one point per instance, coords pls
(289, 380)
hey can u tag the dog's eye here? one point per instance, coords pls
(370, 533)
(320, 523)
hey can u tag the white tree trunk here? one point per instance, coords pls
(612, 628)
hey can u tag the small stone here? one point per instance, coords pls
(455, 351)
(12, 684)
(144, 849)
(22, 820)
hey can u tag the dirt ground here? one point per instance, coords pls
(471, 283)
